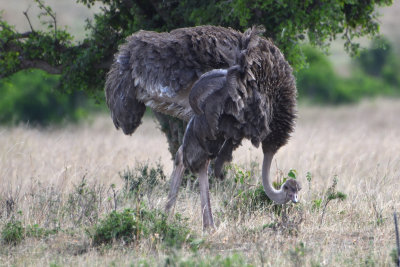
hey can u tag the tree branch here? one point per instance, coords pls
(50, 13)
(29, 21)
(24, 35)
(40, 64)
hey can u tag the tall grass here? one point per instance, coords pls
(59, 186)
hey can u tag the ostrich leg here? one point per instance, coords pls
(205, 197)
(176, 179)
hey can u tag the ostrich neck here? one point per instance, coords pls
(279, 196)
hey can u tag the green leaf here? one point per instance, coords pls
(292, 174)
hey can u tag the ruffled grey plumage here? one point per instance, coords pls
(233, 85)
(228, 85)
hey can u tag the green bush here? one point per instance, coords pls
(320, 84)
(223, 261)
(13, 232)
(32, 96)
(130, 226)
(83, 203)
(117, 226)
(373, 60)
(381, 61)
(38, 232)
(142, 179)
(172, 233)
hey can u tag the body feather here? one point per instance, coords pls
(230, 85)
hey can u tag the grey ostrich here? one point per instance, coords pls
(226, 84)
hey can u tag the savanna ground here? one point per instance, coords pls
(62, 182)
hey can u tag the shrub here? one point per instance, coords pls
(32, 96)
(320, 84)
(130, 226)
(381, 61)
(13, 232)
(142, 179)
(38, 232)
(83, 203)
(223, 261)
(117, 226)
(373, 60)
(173, 234)
(331, 194)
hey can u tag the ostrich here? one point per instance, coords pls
(226, 84)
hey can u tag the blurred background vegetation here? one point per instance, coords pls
(31, 96)
(374, 72)
(35, 97)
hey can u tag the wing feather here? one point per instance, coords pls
(205, 86)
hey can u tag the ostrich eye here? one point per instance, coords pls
(285, 187)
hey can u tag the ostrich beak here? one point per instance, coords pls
(295, 198)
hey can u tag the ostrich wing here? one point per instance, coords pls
(217, 93)
(206, 85)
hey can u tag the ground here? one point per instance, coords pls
(357, 144)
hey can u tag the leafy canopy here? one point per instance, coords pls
(83, 65)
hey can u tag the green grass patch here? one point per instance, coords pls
(130, 226)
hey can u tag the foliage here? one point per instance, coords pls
(83, 203)
(38, 232)
(130, 226)
(381, 62)
(32, 96)
(117, 226)
(320, 84)
(13, 232)
(373, 60)
(83, 65)
(142, 179)
(172, 233)
(223, 261)
(330, 194)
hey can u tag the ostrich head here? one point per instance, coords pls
(291, 189)
(288, 191)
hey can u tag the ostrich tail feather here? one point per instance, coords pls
(120, 90)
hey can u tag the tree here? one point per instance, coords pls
(84, 64)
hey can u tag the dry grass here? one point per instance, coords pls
(358, 144)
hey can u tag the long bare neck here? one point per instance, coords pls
(279, 196)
